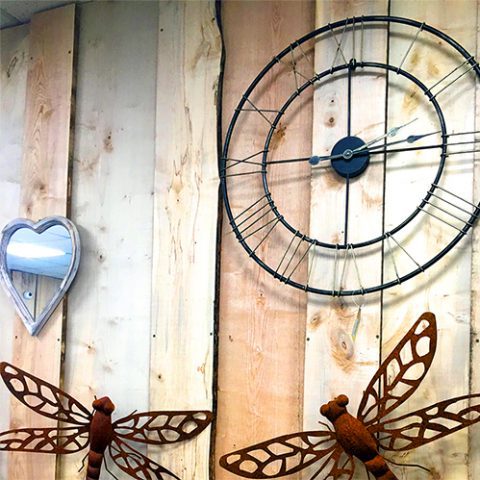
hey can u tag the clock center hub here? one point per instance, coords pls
(351, 157)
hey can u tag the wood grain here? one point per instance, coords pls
(445, 288)
(44, 192)
(336, 362)
(13, 82)
(108, 334)
(261, 329)
(185, 224)
(474, 434)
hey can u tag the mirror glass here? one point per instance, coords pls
(38, 262)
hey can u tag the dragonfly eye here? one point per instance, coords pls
(342, 400)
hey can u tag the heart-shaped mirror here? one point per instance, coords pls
(38, 262)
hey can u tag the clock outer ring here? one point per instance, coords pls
(223, 184)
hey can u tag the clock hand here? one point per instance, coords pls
(391, 133)
(314, 160)
(409, 139)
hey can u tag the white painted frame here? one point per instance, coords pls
(35, 325)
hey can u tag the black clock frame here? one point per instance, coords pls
(397, 70)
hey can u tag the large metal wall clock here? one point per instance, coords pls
(389, 175)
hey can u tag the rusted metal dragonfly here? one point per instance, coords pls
(362, 437)
(95, 430)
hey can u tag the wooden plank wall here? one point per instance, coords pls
(129, 182)
(13, 82)
(261, 333)
(144, 195)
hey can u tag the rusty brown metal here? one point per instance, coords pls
(96, 430)
(365, 435)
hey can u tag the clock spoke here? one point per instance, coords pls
(465, 212)
(446, 81)
(251, 172)
(245, 223)
(261, 111)
(474, 143)
(392, 256)
(246, 160)
(232, 164)
(339, 44)
(404, 250)
(349, 252)
(287, 261)
(269, 231)
(415, 38)
(292, 64)
(347, 199)
(349, 100)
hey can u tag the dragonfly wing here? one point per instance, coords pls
(343, 467)
(428, 424)
(162, 427)
(43, 398)
(338, 465)
(137, 465)
(280, 456)
(45, 440)
(401, 372)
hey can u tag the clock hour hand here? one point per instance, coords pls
(409, 139)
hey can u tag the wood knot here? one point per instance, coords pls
(107, 142)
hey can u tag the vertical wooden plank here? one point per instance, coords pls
(445, 288)
(474, 437)
(261, 322)
(336, 362)
(13, 81)
(185, 223)
(44, 191)
(107, 343)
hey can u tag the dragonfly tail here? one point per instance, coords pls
(94, 465)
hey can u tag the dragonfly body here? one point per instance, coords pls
(355, 438)
(101, 435)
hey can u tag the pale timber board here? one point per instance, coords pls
(474, 437)
(445, 288)
(185, 224)
(13, 81)
(44, 192)
(261, 321)
(335, 361)
(108, 334)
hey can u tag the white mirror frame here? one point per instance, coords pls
(34, 325)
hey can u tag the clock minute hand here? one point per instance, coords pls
(391, 133)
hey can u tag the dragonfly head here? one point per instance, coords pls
(104, 405)
(336, 407)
